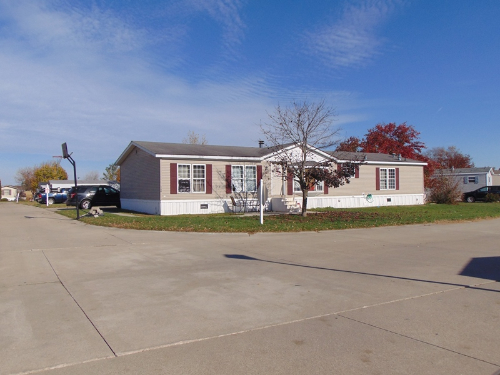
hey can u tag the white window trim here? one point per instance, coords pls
(244, 178)
(351, 167)
(319, 187)
(296, 186)
(387, 179)
(192, 178)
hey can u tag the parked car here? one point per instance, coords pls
(54, 197)
(94, 195)
(480, 194)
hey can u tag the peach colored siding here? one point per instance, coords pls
(410, 181)
(218, 179)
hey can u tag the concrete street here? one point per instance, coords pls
(79, 299)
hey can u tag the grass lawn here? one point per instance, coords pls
(321, 219)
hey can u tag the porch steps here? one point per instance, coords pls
(291, 205)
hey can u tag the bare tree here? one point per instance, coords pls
(450, 157)
(445, 188)
(92, 176)
(195, 139)
(26, 178)
(298, 133)
(30, 177)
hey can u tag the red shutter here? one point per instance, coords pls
(289, 184)
(339, 167)
(397, 178)
(259, 174)
(356, 172)
(325, 188)
(229, 190)
(208, 172)
(377, 179)
(173, 178)
(312, 188)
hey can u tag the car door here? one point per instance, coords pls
(112, 196)
(99, 197)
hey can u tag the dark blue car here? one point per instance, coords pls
(93, 195)
(480, 194)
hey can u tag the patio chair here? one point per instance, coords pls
(237, 204)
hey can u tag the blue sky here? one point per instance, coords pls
(98, 74)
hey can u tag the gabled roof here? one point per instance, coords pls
(213, 152)
(467, 170)
(190, 151)
(372, 157)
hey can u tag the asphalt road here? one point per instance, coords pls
(79, 299)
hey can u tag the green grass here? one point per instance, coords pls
(321, 219)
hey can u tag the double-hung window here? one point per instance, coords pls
(296, 186)
(319, 186)
(244, 178)
(349, 169)
(387, 179)
(191, 178)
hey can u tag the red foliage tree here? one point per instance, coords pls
(429, 170)
(390, 138)
(449, 158)
(351, 144)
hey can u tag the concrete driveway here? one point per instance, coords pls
(78, 299)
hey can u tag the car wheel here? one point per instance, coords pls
(51, 201)
(470, 199)
(85, 204)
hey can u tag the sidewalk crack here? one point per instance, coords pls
(79, 306)
(418, 340)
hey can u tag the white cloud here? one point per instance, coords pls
(85, 78)
(351, 41)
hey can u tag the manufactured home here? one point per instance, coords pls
(172, 179)
(470, 179)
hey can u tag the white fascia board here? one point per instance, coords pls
(394, 163)
(205, 157)
(379, 162)
(273, 154)
(323, 154)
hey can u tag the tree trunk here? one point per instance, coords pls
(304, 202)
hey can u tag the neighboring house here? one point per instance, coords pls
(470, 179)
(10, 192)
(172, 179)
(496, 177)
(56, 185)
